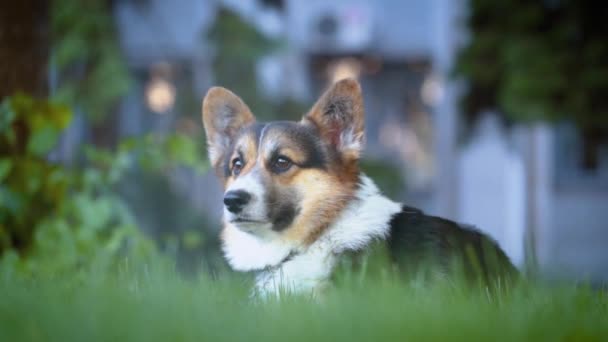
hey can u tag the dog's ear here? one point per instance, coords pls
(224, 114)
(339, 115)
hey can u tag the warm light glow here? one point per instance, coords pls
(160, 95)
(432, 90)
(344, 68)
(409, 144)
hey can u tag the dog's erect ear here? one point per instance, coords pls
(339, 115)
(224, 114)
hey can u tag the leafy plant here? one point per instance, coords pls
(92, 74)
(545, 60)
(30, 188)
(56, 219)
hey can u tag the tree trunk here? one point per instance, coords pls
(24, 47)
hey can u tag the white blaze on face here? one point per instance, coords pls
(255, 210)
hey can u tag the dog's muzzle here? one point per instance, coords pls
(236, 200)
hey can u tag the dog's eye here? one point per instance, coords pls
(281, 164)
(237, 166)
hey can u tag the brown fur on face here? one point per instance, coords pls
(324, 184)
(325, 199)
(324, 147)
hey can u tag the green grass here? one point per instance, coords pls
(162, 306)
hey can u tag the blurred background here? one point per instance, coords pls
(488, 112)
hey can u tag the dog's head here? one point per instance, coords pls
(283, 178)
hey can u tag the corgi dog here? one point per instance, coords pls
(295, 200)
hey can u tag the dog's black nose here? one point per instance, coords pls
(236, 200)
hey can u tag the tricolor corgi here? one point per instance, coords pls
(295, 199)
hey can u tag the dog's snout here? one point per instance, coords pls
(236, 200)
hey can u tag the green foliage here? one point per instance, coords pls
(545, 60)
(156, 152)
(155, 304)
(55, 219)
(30, 188)
(92, 72)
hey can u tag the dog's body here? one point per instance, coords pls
(296, 201)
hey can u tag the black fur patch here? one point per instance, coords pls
(307, 140)
(282, 206)
(285, 215)
(419, 242)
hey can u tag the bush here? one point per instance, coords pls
(56, 219)
(545, 60)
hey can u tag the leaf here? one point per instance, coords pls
(5, 167)
(7, 116)
(120, 164)
(60, 115)
(42, 141)
(11, 201)
(182, 149)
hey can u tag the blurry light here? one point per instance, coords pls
(405, 141)
(390, 134)
(432, 90)
(410, 147)
(344, 68)
(160, 95)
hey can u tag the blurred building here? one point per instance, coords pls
(521, 187)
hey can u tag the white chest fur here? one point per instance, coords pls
(365, 219)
